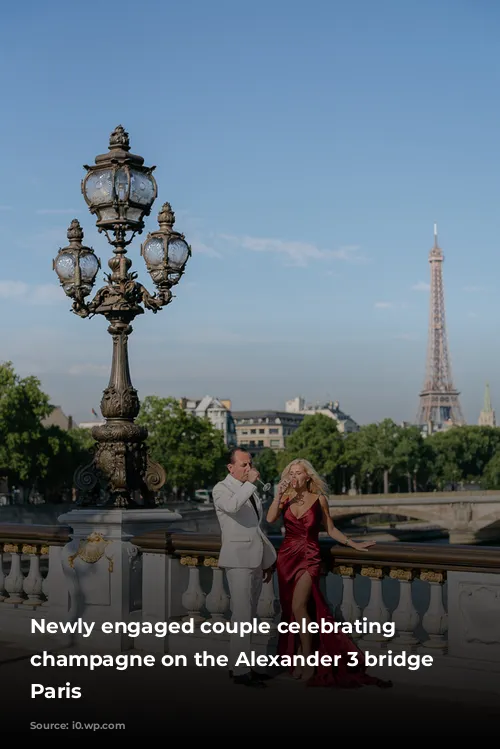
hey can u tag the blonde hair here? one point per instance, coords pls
(315, 484)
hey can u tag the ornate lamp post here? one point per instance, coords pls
(120, 191)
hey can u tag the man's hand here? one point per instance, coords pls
(253, 475)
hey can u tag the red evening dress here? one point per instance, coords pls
(299, 553)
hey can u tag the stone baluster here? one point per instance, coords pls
(15, 579)
(33, 583)
(405, 616)
(193, 599)
(376, 611)
(267, 606)
(217, 601)
(55, 585)
(2, 576)
(45, 551)
(435, 619)
(349, 609)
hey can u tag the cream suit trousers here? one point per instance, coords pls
(245, 586)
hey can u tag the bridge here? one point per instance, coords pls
(470, 517)
(443, 601)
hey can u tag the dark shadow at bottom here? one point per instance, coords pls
(203, 703)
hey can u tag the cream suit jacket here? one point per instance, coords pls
(244, 544)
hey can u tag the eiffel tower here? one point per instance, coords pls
(439, 401)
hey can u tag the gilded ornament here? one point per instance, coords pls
(210, 562)
(344, 570)
(91, 550)
(431, 576)
(401, 574)
(29, 549)
(11, 548)
(190, 561)
(376, 573)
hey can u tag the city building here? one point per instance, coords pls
(429, 428)
(57, 418)
(91, 424)
(345, 423)
(217, 411)
(487, 416)
(256, 430)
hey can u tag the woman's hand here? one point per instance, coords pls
(361, 545)
(282, 487)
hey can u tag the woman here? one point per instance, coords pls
(301, 498)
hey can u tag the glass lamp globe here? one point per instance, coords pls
(165, 252)
(119, 189)
(76, 266)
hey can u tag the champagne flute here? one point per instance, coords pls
(286, 485)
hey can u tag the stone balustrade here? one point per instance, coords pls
(442, 600)
(34, 554)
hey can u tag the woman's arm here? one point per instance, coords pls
(337, 535)
(276, 505)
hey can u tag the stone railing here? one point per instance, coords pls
(442, 600)
(29, 556)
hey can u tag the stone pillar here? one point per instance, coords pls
(463, 537)
(103, 570)
(462, 530)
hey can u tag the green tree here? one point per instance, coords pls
(319, 441)
(411, 458)
(26, 447)
(82, 438)
(372, 456)
(491, 476)
(462, 454)
(190, 449)
(266, 462)
(66, 450)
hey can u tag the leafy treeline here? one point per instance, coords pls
(383, 457)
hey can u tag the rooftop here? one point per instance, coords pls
(266, 414)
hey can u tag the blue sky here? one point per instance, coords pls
(307, 150)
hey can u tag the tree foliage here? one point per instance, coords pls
(266, 462)
(380, 457)
(190, 449)
(385, 457)
(317, 440)
(33, 456)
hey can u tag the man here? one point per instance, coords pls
(246, 553)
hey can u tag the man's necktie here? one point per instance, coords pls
(252, 500)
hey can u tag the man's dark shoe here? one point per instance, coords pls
(260, 677)
(248, 681)
(256, 676)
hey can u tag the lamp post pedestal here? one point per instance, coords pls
(121, 465)
(104, 571)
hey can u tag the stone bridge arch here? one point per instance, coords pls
(425, 513)
(468, 517)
